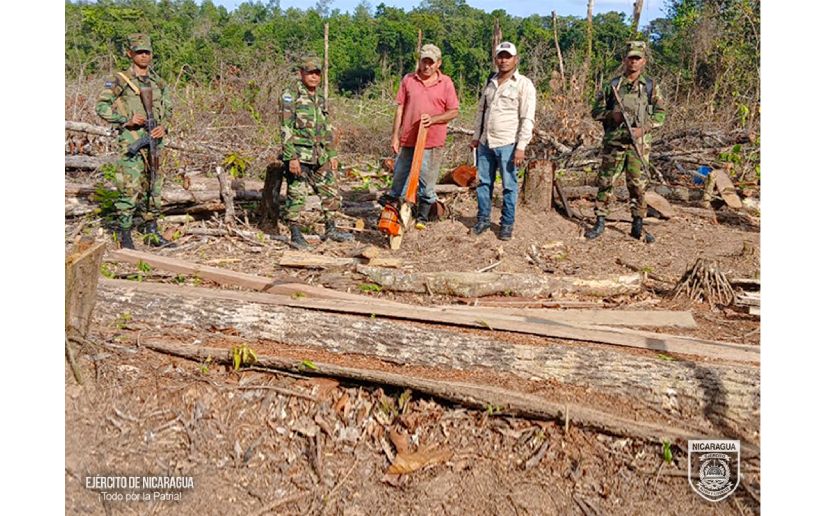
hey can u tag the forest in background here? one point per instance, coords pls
(227, 67)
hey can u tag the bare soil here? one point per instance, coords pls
(263, 450)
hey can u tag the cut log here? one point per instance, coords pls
(675, 194)
(473, 284)
(730, 393)
(537, 188)
(82, 162)
(726, 189)
(519, 324)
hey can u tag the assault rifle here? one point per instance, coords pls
(636, 146)
(154, 154)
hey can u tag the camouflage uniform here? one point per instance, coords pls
(307, 136)
(116, 104)
(618, 154)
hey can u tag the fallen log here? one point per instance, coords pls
(694, 391)
(83, 162)
(481, 397)
(204, 197)
(473, 284)
(170, 143)
(675, 194)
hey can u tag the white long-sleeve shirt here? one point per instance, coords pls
(510, 112)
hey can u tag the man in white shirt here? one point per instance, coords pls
(503, 129)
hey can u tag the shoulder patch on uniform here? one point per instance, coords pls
(287, 98)
(110, 83)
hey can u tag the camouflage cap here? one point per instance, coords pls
(431, 51)
(138, 42)
(635, 48)
(311, 63)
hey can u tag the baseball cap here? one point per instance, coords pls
(431, 51)
(506, 46)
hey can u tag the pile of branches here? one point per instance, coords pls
(704, 282)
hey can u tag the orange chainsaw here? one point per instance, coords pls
(395, 221)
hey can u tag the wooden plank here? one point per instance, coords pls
(726, 189)
(621, 337)
(655, 318)
(286, 286)
(660, 204)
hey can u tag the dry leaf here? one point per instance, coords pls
(400, 442)
(409, 462)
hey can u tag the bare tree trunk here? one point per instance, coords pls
(588, 61)
(558, 49)
(227, 196)
(418, 48)
(496, 41)
(637, 13)
(326, 62)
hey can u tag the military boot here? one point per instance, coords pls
(335, 234)
(637, 230)
(151, 236)
(596, 230)
(124, 238)
(297, 237)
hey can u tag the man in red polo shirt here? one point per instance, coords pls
(426, 97)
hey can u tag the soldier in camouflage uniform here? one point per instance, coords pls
(645, 109)
(307, 147)
(119, 104)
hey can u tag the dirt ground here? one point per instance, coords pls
(257, 442)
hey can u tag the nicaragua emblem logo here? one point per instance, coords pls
(713, 468)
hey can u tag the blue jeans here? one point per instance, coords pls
(427, 178)
(490, 160)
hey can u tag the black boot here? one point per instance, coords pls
(335, 234)
(637, 230)
(596, 230)
(124, 238)
(298, 237)
(481, 226)
(151, 236)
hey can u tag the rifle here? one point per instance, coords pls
(636, 146)
(154, 154)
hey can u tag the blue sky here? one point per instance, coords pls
(652, 8)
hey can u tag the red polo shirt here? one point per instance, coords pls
(418, 99)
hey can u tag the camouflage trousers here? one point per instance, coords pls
(615, 160)
(318, 179)
(132, 183)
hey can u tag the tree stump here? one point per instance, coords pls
(82, 272)
(538, 185)
(270, 196)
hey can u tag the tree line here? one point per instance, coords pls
(707, 47)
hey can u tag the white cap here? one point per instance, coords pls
(506, 46)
